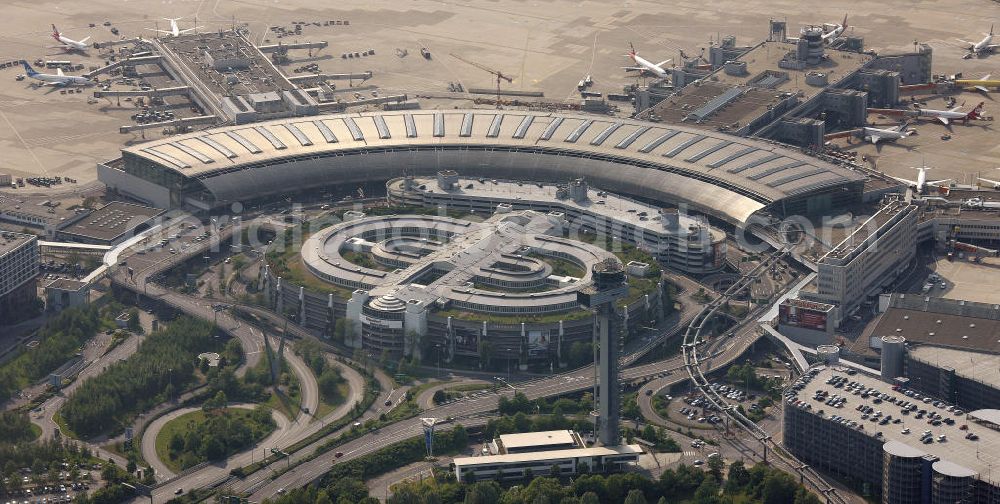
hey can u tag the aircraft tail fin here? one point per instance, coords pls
(844, 23)
(28, 70)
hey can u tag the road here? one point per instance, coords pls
(468, 411)
(97, 366)
(426, 398)
(153, 430)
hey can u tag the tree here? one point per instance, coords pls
(738, 477)
(483, 492)
(778, 488)
(580, 353)
(213, 449)
(583, 468)
(635, 497)
(439, 396)
(329, 384)
(803, 496)
(215, 403)
(203, 366)
(715, 467)
(707, 492)
(590, 498)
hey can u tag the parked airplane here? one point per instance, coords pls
(68, 43)
(874, 135)
(982, 84)
(994, 183)
(834, 31)
(174, 30)
(984, 46)
(57, 79)
(921, 183)
(645, 66)
(945, 116)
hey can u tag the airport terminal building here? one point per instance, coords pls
(709, 172)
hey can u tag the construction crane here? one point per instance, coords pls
(498, 74)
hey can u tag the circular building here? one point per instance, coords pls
(429, 285)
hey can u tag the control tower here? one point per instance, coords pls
(609, 285)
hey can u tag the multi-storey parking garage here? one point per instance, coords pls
(910, 448)
(718, 174)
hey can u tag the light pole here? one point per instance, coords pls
(437, 347)
(508, 362)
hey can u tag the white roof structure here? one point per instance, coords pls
(537, 439)
(729, 176)
(598, 451)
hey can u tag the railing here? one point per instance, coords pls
(692, 363)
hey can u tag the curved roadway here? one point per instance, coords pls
(153, 431)
(469, 411)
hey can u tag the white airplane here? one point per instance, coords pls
(834, 31)
(875, 135)
(921, 183)
(945, 116)
(644, 65)
(68, 43)
(174, 30)
(984, 46)
(57, 79)
(994, 183)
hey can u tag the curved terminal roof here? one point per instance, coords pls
(726, 175)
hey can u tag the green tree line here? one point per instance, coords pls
(59, 339)
(164, 363)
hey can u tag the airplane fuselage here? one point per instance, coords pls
(983, 44)
(649, 66)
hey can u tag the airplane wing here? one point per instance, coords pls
(981, 89)
(190, 29)
(84, 41)
(159, 31)
(664, 62)
(633, 69)
(874, 139)
(996, 183)
(944, 120)
(59, 72)
(965, 42)
(905, 181)
(937, 182)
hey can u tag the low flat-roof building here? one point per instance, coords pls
(509, 444)
(514, 455)
(110, 224)
(63, 293)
